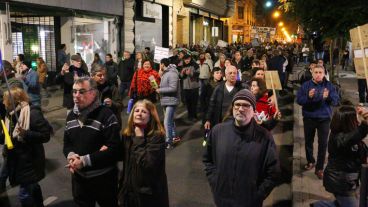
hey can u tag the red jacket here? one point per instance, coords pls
(263, 105)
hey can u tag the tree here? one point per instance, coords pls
(331, 18)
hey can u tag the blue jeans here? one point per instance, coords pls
(30, 195)
(123, 87)
(169, 112)
(342, 201)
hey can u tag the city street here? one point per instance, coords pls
(188, 186)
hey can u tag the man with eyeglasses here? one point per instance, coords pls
(92, 146)
(67, 76)
(108, 92)
(240, 158)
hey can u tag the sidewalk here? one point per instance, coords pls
(54, 102)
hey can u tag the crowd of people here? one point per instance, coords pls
(237, 111)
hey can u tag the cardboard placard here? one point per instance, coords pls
(221, 43)
(354, 35)
(359, 67)
(272, 78)
(161, 53)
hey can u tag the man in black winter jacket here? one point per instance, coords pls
(112, 70)
(240, 159)
(125, 73)
(92, 146)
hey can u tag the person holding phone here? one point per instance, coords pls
(67, 75)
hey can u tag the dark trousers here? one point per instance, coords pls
(191, 100)
(30, 195)
(363, 91)
(124, 86)
(102, 189)
(205, 95)
(323, 127)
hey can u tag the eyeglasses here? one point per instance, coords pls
(81, 91)
(244, 105)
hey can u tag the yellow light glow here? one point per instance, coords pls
(281, 24)
(276, 14)
(283, 29)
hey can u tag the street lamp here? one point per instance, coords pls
(268, 4)
(276, 14)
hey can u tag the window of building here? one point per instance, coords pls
(240, 12)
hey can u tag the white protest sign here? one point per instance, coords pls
(161, 53)
(222, 43)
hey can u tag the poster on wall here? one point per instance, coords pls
(161, 53)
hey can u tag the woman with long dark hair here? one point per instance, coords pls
(347, 153)
(143, 181)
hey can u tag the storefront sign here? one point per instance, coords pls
(161, 53)
(152, 10)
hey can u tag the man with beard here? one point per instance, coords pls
(240, 159)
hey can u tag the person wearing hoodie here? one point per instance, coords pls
(111, 69)
(170, 98)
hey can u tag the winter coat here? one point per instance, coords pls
(239, 65)
(112, 72)
(204, 69)
(140, 87)
(99, 128)
(112, 92)
(68, 80)
(170, 87)
(215, 114)
(317, 107)
(241, 164)
(346, 152)
(143, 181)
(126, 70)
(190, 81)
(26, 161)
(33, 86)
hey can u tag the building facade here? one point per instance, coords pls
(239, 25)
(38, 29)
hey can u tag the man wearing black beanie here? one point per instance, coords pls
(240, 159)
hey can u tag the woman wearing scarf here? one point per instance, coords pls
(266, 113)
(26, 161)
(142, 87)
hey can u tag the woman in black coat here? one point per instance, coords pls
(347, 153)
(143, 181)
(26, 161)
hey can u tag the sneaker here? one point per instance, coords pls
(319, 174)
(176, 140)
(309, 166)
(169, 146)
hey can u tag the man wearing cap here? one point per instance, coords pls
(240, 159)
(67, 76)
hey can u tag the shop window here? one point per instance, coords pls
(34, 37)
(240, 12)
